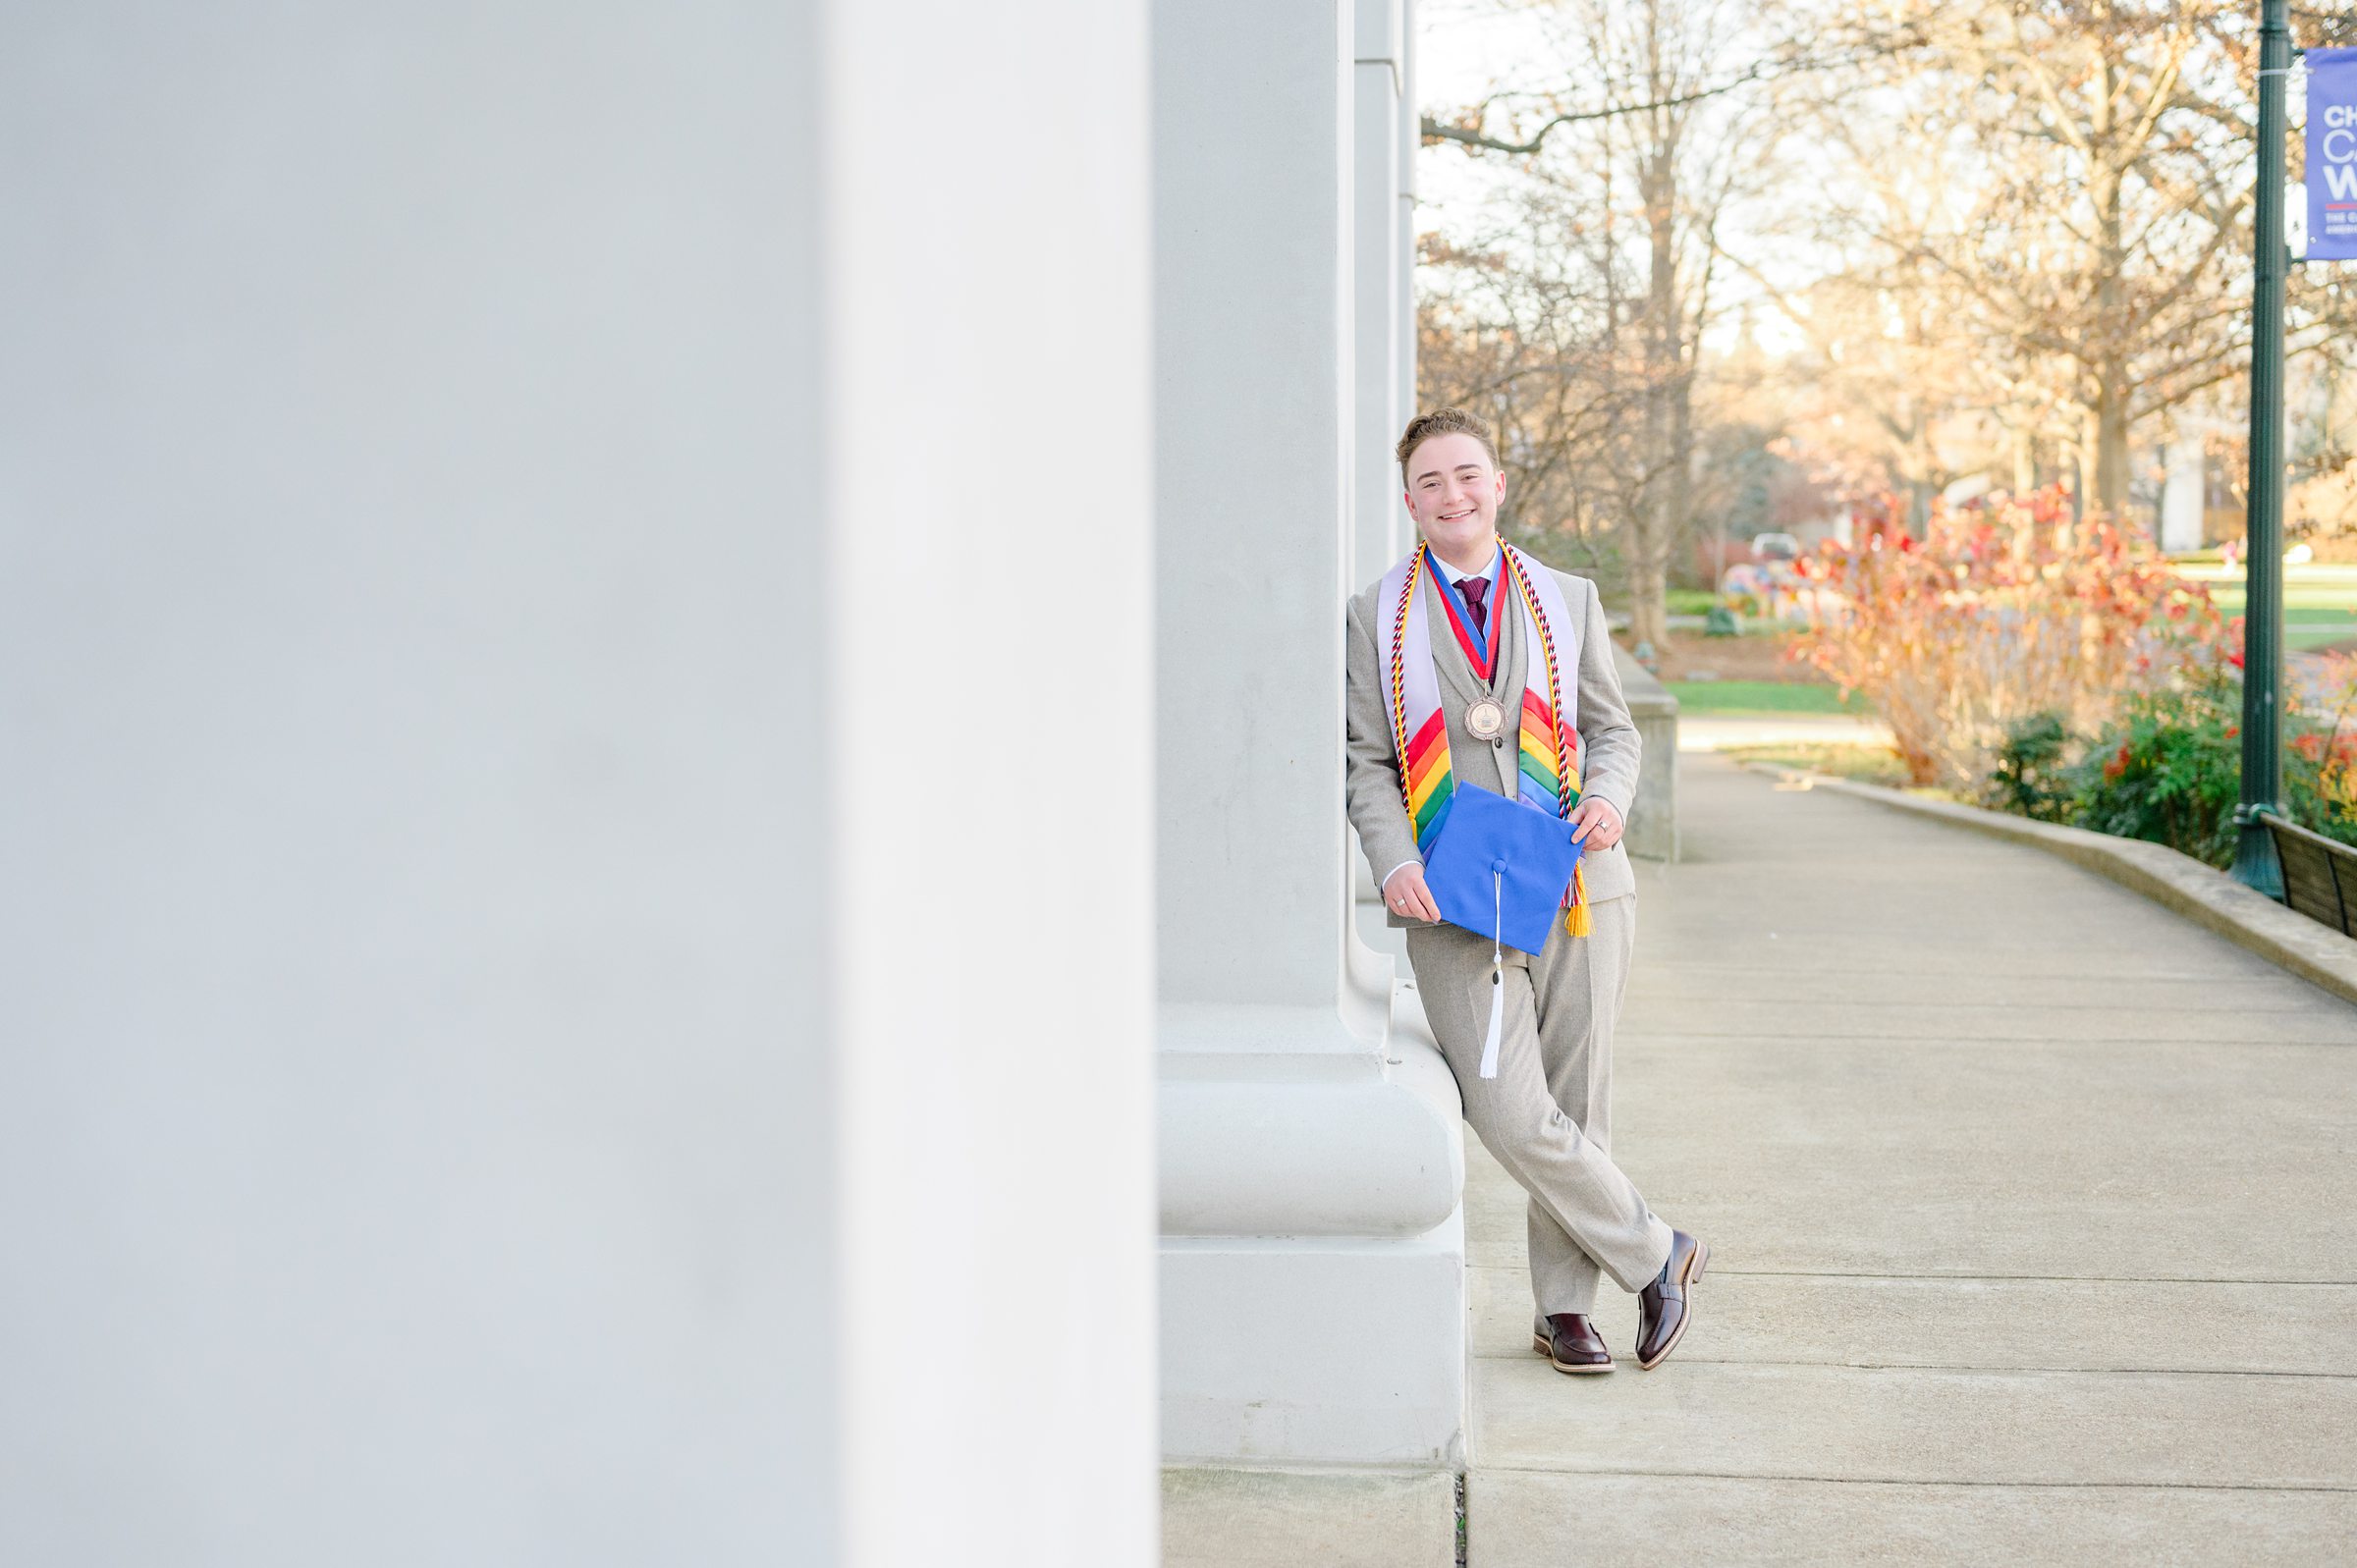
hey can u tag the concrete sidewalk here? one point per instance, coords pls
(2033, 1217)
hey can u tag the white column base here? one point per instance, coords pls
(1313, 1257)
(1315, 1349)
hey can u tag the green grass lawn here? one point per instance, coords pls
(2305, 588)
(1868, 764)
(2320, 603)
(1761, 696)
(2310, 620)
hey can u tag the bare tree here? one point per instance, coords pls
(1513, 326)
(1637, 187)
(2080, 225)
(2011, 233)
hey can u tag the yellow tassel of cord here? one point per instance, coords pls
(1575, 918)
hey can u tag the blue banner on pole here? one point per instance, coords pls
(2332, 154)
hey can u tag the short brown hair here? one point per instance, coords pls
(1443, 423)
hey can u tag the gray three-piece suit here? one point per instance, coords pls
(1546, 1115)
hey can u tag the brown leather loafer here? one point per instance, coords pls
(1570, 1342)
(1663, 1306)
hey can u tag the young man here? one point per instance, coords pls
(1461, 659)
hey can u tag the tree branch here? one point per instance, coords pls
(1472, 136)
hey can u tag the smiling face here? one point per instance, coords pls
(1453, 492)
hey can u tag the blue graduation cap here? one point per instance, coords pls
(1500, 867)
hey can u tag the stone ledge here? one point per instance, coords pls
(1653, 814)
(2323, 958)
(1647, 697)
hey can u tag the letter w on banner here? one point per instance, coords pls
(2332, 154)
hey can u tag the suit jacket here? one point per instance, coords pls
(1609, 744)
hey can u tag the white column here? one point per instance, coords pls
(990, 344)
(2182, 493)
(512, 674)
(1312, 1266)
(1379, 528)
(1411, 141)
(1380, 524)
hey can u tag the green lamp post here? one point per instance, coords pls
(2263, 584)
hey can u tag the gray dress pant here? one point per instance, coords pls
(1547, 1116)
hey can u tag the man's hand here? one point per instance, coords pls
(1594, 824)
(1404, 893)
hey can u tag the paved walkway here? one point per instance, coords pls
(2033, 1217)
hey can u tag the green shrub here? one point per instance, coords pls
(2319, 756)
(2170, 770)
(2030, 776)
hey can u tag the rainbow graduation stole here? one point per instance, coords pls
(1548, 778)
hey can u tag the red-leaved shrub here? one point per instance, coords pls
(1998, 613)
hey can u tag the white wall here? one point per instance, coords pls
(504, 1056)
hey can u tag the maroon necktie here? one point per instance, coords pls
(1476, 590)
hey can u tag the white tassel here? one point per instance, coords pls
(1489, 1046)
(1489, 1050)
